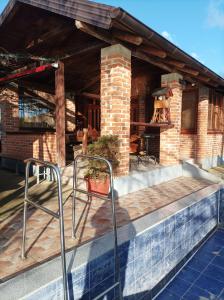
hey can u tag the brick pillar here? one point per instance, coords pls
(170, 138)
(202, 124)
(115, 98)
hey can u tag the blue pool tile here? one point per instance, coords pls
(127, 277)
(178, 287)
(143, 243)
(103, 286)
(157, 253)
(169, 236)
(182, 217)
(157, 273)
(197, 264)
(214, 245)
(142, 265)
(221, 253)
(205, 255)
(97, 262)
(188, 274)
(158, 233)
(146, 296)
(195, 293)
(221, 296)
(215, 272)
(210, 284)
(218, 261)
(126, 256)
(166, 295)
(104, 270)
(78, 287)
(219, 234)
(143, 285)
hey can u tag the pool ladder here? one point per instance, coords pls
(110, 197)
(60, 216)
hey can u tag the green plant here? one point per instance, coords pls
(107, 147)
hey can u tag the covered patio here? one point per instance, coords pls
(96, 71)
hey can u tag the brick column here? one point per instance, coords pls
(170, 138)
(202, 124)
(115, 98)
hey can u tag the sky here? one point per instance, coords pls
(196, 26)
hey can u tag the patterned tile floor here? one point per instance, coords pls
(203, 277)
(93, 219)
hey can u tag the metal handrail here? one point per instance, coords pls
(109, 197)
(59, 215)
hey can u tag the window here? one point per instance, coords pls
(189, 111)
(216, 111)
(34, 112)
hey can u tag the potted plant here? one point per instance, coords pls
(97, 175)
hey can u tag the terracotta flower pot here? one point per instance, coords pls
(98, 186)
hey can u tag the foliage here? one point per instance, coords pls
(107, 147)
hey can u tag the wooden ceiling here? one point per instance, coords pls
(33, 31)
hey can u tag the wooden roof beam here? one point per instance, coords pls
(90, 84)
(90, 95)
(175, 63)
(89, 29)
(203, 78)
(189, 71)
(145, 57)
(128, 37)
(58, 31)
(153, 51)
(135, 52)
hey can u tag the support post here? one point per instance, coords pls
(202, 124)
(60, 114)
(116, 98)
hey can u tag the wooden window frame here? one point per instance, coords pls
(191, 131)
(217, 107)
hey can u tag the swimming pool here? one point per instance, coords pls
(152, 250)
(203, 276)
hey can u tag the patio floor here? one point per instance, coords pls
(218, 171)
(93, 219)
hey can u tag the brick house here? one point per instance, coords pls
(65, 66)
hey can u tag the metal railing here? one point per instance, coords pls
(59, 215)
(110, 197)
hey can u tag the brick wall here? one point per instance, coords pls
(21, 146)
(188, 145)
(170, 138)
(10, 110)
(215, 145)
(115, 99)
(203, 145)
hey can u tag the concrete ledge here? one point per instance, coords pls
(193, 170)
(136, 181)
(213, 161)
